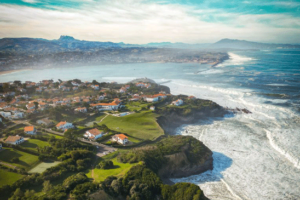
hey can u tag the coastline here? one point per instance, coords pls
(12, 71)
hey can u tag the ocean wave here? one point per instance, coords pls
(235, 59)
(286, 154)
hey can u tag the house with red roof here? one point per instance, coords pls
(64, 125)
(30, 130)
(14, 140)
(120, 138)
(93, 134)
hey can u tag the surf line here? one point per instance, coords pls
(286, 154)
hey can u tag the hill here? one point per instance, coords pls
(243, 44)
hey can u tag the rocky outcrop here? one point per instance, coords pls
(170, 121)
(179, 166)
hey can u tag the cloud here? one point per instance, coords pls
(141, 22)
(30, 1)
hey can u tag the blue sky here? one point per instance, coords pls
(143, 21)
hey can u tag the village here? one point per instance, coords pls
(108, 116)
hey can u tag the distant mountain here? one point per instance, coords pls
(176, 45)
(63, 44)
(243, 44)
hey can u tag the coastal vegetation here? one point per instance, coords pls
(61, 164)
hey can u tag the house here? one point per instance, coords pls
(75, 83)
(64, 125)
(30, 106)
(45, 121)
(40, 89)
(15, 140)
(142, 85)
(96, 87)
(178, 102)
(93, 134)
(152, 108)
(66, 89)
(83, 110)
(120, 138)
(17, 115)
(30, 130)
(5, 114)
(115, 105)
(122, 90)
(154, 98)
(191, 97)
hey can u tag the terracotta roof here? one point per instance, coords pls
(121, 136)
(61, 123)
(13, 138)
(95, 132)
(28, 128)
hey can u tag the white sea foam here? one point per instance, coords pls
(235, 59)
(258, 159)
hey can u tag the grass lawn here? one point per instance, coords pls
(50, 134)
(119, 170)
(8, 178)
(43, 166)
(32, 144)
(133, 105)
(27, 160)
(141, 125)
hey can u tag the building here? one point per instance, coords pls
(178, 102)
(93, 134)
(115, 105)
(64, 125)
(154, 98)
(5, 114)
(45, 121)
(120, 138)
(191, 97)
(30, 130)
(83, 110)
(15, 140)
(30, 106)
(152, 108)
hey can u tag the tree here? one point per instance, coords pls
(29, 193)
(36, 105)
(47, 186)
(15, 160)
(18, 194)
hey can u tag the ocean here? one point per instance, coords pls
(256, 156)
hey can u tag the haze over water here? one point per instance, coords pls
(256, 156)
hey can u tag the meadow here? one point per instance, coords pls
(8, 178)
(141, 125)
(32, 144)
(26, 160)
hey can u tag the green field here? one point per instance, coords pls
(8, 178)
(40, 168)
(135, 105)
(27, 160)
(119, 170)
(141, 125)
(32, 144)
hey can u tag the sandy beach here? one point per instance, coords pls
(12, 71)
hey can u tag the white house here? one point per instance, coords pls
(96, 87)
(115, 105)
(5, 114)
(75, 83)
(154, 98)
(15, 140)
(64, 125)
(83, 110)
(93, 134)
(178, 102)
(30, 130)
(30, 106)
(120, 138)
(152, 108)
(45, 122)
(18, 115)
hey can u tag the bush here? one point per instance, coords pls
(15, 160)
(105, 165)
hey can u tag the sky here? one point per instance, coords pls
(145, 21)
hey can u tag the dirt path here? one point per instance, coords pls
(9, 165)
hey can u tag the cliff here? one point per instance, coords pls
(173, 119)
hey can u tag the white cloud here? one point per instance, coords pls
(30, 1)
(138, 22)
